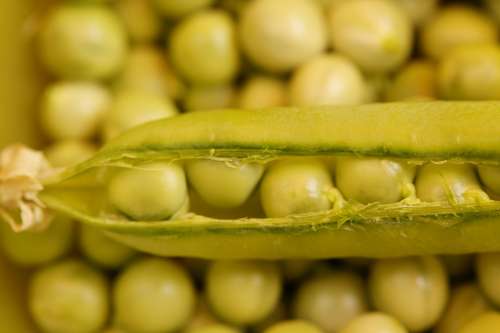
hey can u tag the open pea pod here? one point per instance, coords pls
(419, 132)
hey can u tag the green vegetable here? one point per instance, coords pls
(69, 296)
(413, 289)
(216, 328)
(210, 97)
(419, 11)
(140, 19)
(486, 323)
(243, 292)
(488, 270)
(490, 177)
(262, 92)
(416, 80)
(293, 326)
(69, 152)
(375, 322)
(82, 42)
(178, 8)
(153, 295)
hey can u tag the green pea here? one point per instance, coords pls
(413, 289)
(201, 318)
(216, 328)
(69, 152)
(73, 110)
(375, 34)
(416, 80)
(261, 92)
(375, 322)
(490, 177)
(69, 296)
(150, 192)
(486, 323)
(179, 8)
(376, 85)
(153, 295)
(466, 304)
(458, 266)
(33, 248)
(488, 275)
(456, 25)
(419, 11)
(293, 326)
(279, 35)
(330, 300)
(296, 186)
(470, 72)
(455, 183)
(82, 42)
(210, 97)
(243, 292)
(222, 184)
(141, 20)
(133, 108)
(328, 79)
(203, 48)
(369, 180)
(102, 250)
(146, 69)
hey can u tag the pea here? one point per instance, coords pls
(133, 108)
(153, 295)
(149, 192)
(279, 314)
(279, 35)
(210, 97)
(201, 318)
(375, 34)
(488, 270)
(490, 177)
(456, 25)
(376, 86)
(466, 304)
(216, 328)
(262, 91)
(222, 184)
(82, 42)
(369, 180)
(69, 152)
(102, 250)
(416, 80)
(486, 323)
(203, 48)
(327, 79)
(69, 296)
(375, 322)
(295, 269)
(140, 19)
(470, 72)
(458, 266)
(296, 186)
(146, 69)
(455, 183)
(330, 300)
(33, 248)
(179, 8)
(293, 326)
(413, 289)
(419, 11)
(243, 292)
(65, 117)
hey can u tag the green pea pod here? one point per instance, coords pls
(417, 132)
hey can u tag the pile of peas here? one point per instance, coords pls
(117, 64)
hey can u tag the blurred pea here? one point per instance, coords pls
(293, 326)
(376, 87)
(490, 177)
(215, 328)
(488, 275)
(201, 318)
(295, 269)
(210, 97)
(419, 11)
(69, 152)
(141, 20)
(486, 323)
(279, 314)
(177, 8)
(417, 79)
(262, 91)
(374, 322)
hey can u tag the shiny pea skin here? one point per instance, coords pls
(414, 290)
(65, 117)
(376, 34)
(149, 192)
(177, 8)
(243, 292)
(203, 48)
(133, 108)
(456, 25)
(200, 98)
(293, 326)
(278, 35)
(82, 42)
(374, 322)
(330, 300)
(296, 186)
(466, 304)
(32, 248)
(455, 183)
(486, 323)
(263, 91)
(69, 296)
(223, 184)
(153, 295)
(69, 152)
(416, 80)
(102, 250)
(328, 79)
(490, 177)
(470, 72)
(141, 20)
(369, 180)
(488, 275)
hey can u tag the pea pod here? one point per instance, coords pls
(416, 132)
